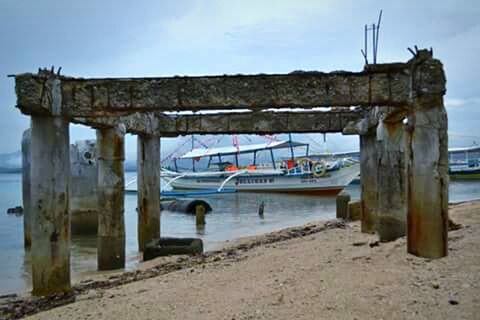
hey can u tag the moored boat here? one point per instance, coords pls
(464, 163)
(295, 174)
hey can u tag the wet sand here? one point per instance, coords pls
(318, 271)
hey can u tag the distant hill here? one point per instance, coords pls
(11, 162)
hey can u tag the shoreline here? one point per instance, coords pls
(240, 251)
(15, 306)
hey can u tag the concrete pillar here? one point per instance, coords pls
(148, 185)
(26, 139)
(391, 181)
(111, 187)
(368, 181)
(342, 205)
(427, 233)
(50, 220)
(83, 187)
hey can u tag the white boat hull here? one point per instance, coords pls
(259, 181)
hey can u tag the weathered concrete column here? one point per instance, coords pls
(50, 220)
(428, 180)
(83, 187)
(148, 185)
(391, 181)
(368, 181)
(111, 187)
(26, 198)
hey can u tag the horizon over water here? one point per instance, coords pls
(233, 216)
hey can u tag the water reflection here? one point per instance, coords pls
(200, 230)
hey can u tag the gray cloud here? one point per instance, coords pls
(126, 38)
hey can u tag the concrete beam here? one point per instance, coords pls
(377, 85)
(111, 187)
(259, 122)
(224, 123)
(148, 182)
(387, 85)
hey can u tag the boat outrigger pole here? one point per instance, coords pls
(238, 173)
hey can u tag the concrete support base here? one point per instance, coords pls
(428, 181)
(368, 182)
(391, 181)
(148, 183)
(26, 139)
(342, 205)
(50, 220)
(111, 187)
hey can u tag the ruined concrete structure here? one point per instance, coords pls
(397, 109)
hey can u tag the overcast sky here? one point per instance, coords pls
(91, 38)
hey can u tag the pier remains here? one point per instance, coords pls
(396, 109)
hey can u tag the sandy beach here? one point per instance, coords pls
(319, 271)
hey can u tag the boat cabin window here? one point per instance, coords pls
(472, 163)
(220, 166)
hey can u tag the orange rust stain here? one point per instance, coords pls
(393, 127)
(118, 144)
(414, 229)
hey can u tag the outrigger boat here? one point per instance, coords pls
(464, 163)
(295, 174)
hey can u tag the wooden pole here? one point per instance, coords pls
(200, 215)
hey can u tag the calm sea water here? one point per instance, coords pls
(233, 216)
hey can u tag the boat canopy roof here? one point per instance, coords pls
(249, 148)
(336, 154)
(464, 149)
